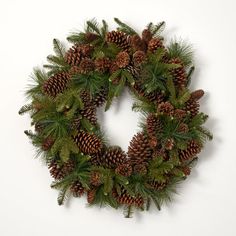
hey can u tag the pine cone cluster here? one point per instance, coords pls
(88, 143)
(56, 84)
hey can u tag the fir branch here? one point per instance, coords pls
(124, 27)
(24, 109)
(58, 48)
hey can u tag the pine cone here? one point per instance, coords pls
(89, 113)
(179, 74)
(169, 144)
(75, 124)
(47, 143)
(88, 143)
(140, 169)
(139, 150)
(91, 195)
(113, 67)
(160, 153)
(186, 170)
(86, 98)
(124, 169)
(166, 108)
(155, 185)
(39, 127)
(56, 84)
(102, 64)
(183, 128)
(192, 150)
(139, 57)
(86, 50)
(151, 125)
(77, 189)
(73, 56)
(197, 94)
(122, 59)
(192, 107)
(95, 178)
(179, 113)
(90, 37)
(95, 159)
(68, 167)
(86, 65)
(100, 97)
(119, 38)
(133, 70)
(154, 44)
(113, 157)
(146, 35)
(126, 199)
(137, 43)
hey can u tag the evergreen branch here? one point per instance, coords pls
(93, 26)
(58, 48)
(24, 109)
(124, 27)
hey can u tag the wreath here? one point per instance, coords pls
(64, 98)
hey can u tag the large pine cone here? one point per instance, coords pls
(56, 84)
(73, 56)
(192, 150)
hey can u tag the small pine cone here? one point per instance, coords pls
(74, 70)
(124, 169)
(196, 95)
(90, 37)
(56, 84)
(95, 178)
(159, 97)
(133, 70)
(100, 97)
(146, 35)
(137, 43)
(153, 142)
(77, 189)
(179, 74)
(154, 44)
(73, 56)
(113, 67)
(56, 170)
(119, 38)
(68, 167)
(122, 59)
(86, 50)
(183, 128)
(37, 106)
(113, 157)
(150, 96)
(86, 97)
(139, 150)
(89, 113)
(75, 124)
(126, 199)
(192, 150)
(39, 127)
(140, 169)
(139, 57)
(86, 65)
(91, 195)
(186, 170)
(160, 153)
(179, 113)
(88, 143)
(102, 64)
(47, 143)
(192, 107)
(155, 185)
(169, 144)
(165, 108)
(151, 125)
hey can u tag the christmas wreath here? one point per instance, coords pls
(93, 72)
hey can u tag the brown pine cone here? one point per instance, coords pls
(133, 70)
(155, 185)
(102, 64)
(139, 57)
(139, 150)
(179, 113)
(47, 143)
(183, 128)
(75, 124)
(160, 153)
(89, 113)
(192, 107)
(124, 169)
(90, 37)
(100, 97)
(154, 44)
(166, 108)
(140, 169)
(39, 127)
(86, 98)
(86, 65)
(91, 195)
(179, 74)
(119, 38)
(151, 125)
(192, 150)
(95, 178)
(113, 157)
(186, 170)
(146, 35)
(73, 56)
(95, 159)
(137, 43)
(56, 84)
(169, 144)
(86, 50)
(88, 143)
(122, 59)
(77, 189)
(197, 94)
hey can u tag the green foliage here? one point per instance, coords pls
(124, 27)
(26, 108)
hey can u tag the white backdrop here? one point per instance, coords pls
(206, 202)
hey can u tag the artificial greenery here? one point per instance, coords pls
(63, 98)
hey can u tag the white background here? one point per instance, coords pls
(206, 204)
